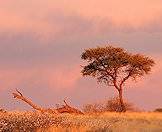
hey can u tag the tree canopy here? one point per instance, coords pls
(114, 66)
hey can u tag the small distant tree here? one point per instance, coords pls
(158, 110)
(114, 66)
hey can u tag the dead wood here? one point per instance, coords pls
(3, 111)
(64, 109)
(68, 109)
(20, 96)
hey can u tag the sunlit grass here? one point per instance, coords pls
(112, 122)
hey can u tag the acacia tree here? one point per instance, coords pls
(114, 66)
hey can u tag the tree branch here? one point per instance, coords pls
(65, 102)
(124, 79)
(114, 78)
(19, 95)
(108, 73)
(64, 109)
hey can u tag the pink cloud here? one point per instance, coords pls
(33, 15)
(63, 77)
(57, 77)
(65, 28)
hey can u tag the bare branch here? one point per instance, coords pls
(65, 103)
(19, 95)
(19, 92)
(125, 78)
(64, 109)
(115, 84)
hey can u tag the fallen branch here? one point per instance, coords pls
(68, 109)
(19, 95)
(64, 109)
(3, 111)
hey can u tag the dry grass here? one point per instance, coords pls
(105, 122)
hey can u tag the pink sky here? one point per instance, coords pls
(41, 42)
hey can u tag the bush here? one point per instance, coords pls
(111, 105)
(3, 111)
(93, 108)
(158, 110)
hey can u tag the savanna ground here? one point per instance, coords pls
(104, 122)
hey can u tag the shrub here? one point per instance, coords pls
(93, 108)
(158, 110)
(3, 111)
(111, 105)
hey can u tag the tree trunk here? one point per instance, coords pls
(122, 106)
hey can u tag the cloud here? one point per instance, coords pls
(41, 42)
(63, 77)
(114, 10)
(53, 77)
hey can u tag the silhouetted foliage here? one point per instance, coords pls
(110, 105)
(93, 108)
(2, 110)
(158, 110)
(113, 105)
(114, 66)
